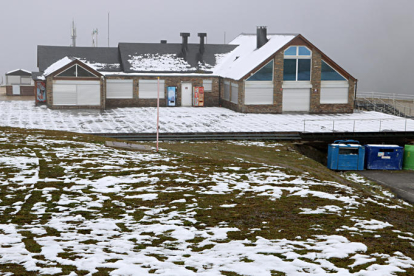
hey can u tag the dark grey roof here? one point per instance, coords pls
(106, 57)
(173, 50)
(19, 72)
(36, 75)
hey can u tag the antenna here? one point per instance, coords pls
(95, 37)
(73, 34)
(108, 29)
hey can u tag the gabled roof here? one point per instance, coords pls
(66, 62)
(157, 57)
(106, 59)
(19, 72)
(247, 57)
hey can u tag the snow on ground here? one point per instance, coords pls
(139, 213)
(190, 119)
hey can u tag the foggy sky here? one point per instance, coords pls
(371, 39)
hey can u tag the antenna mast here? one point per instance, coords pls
(73, 34)
(108, 29)
(95, 37)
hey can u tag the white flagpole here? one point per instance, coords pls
(158, 111)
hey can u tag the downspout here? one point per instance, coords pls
(355, 92)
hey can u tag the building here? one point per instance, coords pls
(261, 73)
(19, 83)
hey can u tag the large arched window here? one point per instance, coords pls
(297, 64)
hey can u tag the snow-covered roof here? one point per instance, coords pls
(18, 71)
(246, 56)
(57, 65)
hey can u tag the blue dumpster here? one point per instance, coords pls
(384, 157)
(345, 155)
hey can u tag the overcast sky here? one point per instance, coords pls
(371, 39)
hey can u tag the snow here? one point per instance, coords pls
(189, 119)
(18, 70)
(158, 62)
(246, 57)
(57, 65)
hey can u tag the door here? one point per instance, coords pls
(296, 99)
(16, 89)
(186, 94)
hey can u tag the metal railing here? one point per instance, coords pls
(397, 104)
(359, 125)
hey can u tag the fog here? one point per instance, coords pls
(368, 38)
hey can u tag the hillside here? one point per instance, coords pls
(71, 206)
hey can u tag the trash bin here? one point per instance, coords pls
(344, 155)
(383, 157)
(408, 157)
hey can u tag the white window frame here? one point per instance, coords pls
(226, 96)
(335, 71)
(76, 70)
(234, 93)
(273, 71)
(297, 57)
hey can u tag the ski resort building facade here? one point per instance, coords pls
(19, 83)
(260, 73)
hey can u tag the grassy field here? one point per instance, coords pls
(71, 206)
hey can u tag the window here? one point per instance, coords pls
(235, 93)
(148, 89)
(26, 80)
(119, 89)
(208, 85)
(227, 90)
(330, 74)
(264, 74)
(297, 64)
(76, 71)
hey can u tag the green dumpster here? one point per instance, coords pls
(408, 157)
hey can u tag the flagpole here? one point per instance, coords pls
(158, 110)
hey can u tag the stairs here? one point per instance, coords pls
(380, 106)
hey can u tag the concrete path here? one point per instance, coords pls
(400, 182)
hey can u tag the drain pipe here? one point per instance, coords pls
(355, 92)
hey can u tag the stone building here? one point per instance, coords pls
(260, 73)
(19, 83)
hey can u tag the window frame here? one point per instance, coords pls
(345, 79)
(297, 57)
(76, 70)
(273, 71)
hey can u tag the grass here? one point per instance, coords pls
(202, 165)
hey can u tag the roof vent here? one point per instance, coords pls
(184, 44)
(163, 41)
(261, 36)
(202, 36)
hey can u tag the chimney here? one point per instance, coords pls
(202, 36)
(261, 36)
(184, 45)
(163, 41)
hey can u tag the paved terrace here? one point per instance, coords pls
(25, 114)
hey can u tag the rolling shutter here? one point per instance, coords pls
(235, 93)
(296, 99)
(226, 95)
(148, 89)
(258, 92)
(334, 92)
(76, 93)
(119, 89)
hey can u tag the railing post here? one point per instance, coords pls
(380, 126)
(405, 125)
(354, 126)
(304, 125)
(333, 125)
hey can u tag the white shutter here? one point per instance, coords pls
(208, 85)
(235, 93)
(64, 94)
(26, 80)
(119, 89)
(226, 95)
(296, 99)
(148, 89)
(13, 80)
(258, 92)
(334, 92)
(89, 94)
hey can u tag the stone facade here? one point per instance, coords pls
(211, 98)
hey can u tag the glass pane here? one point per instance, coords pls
(303, 51)
(71, 72)
(304, 66)
(329, 74)
(291, 51)
(83, 73)
(289, 70)
(264, 74)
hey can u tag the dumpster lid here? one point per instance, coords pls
(383, 146)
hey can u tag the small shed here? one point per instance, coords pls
(19, 82)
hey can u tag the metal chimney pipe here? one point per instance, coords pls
(163, 41)
(202, 36)
(184, 44)
(261, 36)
